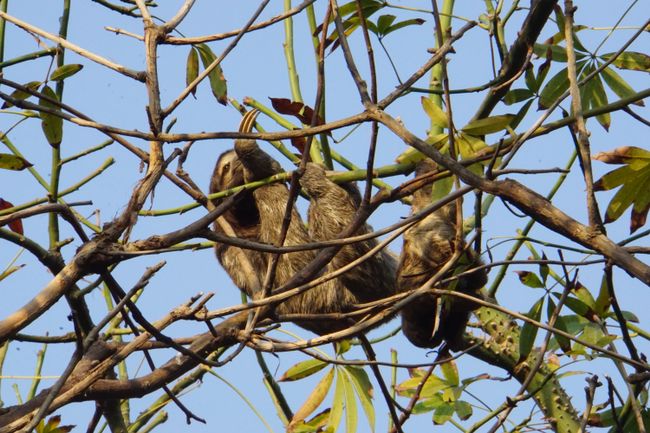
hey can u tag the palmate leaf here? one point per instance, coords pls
(314, 400)
(634, 181)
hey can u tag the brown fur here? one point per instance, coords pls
(428, 245)
(258, 216)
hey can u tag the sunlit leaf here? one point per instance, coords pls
(634, 180)
(603, 301)
(450, 372)
(53, 426)
(314, 399)
(216, 77)
(432, 386)
(441, 188)
(315, 424)
(351, 411)
(51, 124)
(584, 295)
(488, 125)
(630, 60)
(435, 113)
(336, 411)
(65, 71)
(469, 145)
(13, 162)
(529, 331)
(192, 68)
(364, 391)
(303, 369)
(412, 156)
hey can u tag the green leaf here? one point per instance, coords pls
(618, 85)
(517, 95)
(303, 369)
(65, 71)
(594, 96)
(192, 68)
(521, 114)
(351, 411)
(630, 60)
(555, 87)
(336, 412)
(384, 22)
(488, 125)
(469, 145)
(314, 399)
(450, 372)
(603, 301)
(429, 404)
(52, 125)
(530, 279)
(217, 80)
(10, 270)
(316, 424)
(363, 388)
(432, 386)
(402, 24)
(553, 52)
(544, 269)
(463, 410)
(443, 413)
(13, 162)
(624, 198)
(529, 331)
(435, 113)
(441, 188)
(577, 306)
(412, 156)
(562, 341)
(529, 79)
(584, 295)
(20, 95)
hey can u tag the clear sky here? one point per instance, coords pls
(257, 69)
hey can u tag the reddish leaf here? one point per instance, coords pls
(304, 113)
(16, 225)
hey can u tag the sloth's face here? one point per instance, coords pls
(229, 173)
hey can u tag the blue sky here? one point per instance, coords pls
(257, 69)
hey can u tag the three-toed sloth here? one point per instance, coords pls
(258, 216)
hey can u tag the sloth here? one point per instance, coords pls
(428, 245)
(258, 216)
